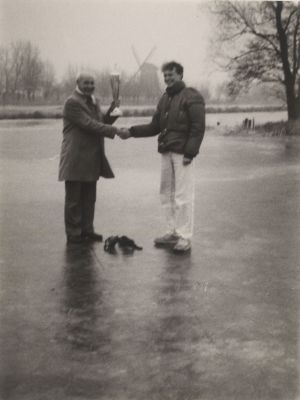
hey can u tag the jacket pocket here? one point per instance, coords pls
(182, 117)
(172, 141)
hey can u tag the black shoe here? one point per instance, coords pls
(92, 236)
(75, 239)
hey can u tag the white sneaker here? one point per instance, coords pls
(167, 239)
(182, 245)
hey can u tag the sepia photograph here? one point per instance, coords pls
(149, 200)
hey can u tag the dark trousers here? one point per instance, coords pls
(79, 207)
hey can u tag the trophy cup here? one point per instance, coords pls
(115, 88)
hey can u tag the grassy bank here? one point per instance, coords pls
(30, 112)
(281, 128)
(40, 112)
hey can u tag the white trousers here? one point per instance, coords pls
(177, 192)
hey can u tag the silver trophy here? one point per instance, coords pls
(115, 88)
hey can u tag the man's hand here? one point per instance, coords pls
(123, 133)
(186, 161)
(113, 105)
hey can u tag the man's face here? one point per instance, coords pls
(86, 84)
(171, 76)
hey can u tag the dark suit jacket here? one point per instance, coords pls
(82, 153)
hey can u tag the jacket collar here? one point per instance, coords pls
(176, 88)
(82, 100)
(84, 96)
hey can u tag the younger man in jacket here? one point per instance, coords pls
(180, 122)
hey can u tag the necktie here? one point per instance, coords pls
(89, 101)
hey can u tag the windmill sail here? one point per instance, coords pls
(147, 83)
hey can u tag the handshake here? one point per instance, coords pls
(123, 133)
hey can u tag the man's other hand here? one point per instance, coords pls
(115, 103)
(186, 161)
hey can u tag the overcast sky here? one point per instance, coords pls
(100, 33)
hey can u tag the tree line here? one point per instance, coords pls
(23, 74)
(26, 78)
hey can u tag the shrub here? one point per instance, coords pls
(282, 128)
(38, 114)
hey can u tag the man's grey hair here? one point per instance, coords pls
(85, 74)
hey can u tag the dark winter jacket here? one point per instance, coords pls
(82, 155)
(179, 120)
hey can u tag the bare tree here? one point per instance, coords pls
(263, 45)
(17, 59)
(22, 71)
(32, 70)
(69, 80)
(5, 73)
(48, 79)
(103, 84)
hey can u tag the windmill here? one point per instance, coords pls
(146, 77)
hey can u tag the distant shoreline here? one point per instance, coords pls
(55, 112)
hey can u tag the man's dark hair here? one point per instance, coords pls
(172, 65)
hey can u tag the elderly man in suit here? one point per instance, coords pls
(82, 159)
